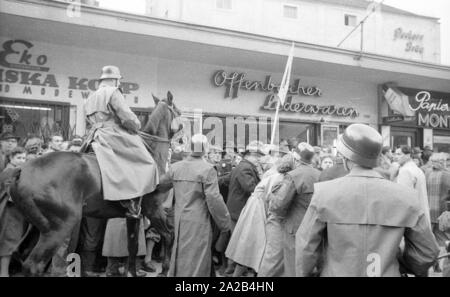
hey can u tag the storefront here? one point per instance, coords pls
(43, 87)
(415, 117)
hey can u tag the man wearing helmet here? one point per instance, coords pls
(128, 170)
(355, 224)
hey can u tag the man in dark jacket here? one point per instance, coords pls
(290, 200)
(243, 181)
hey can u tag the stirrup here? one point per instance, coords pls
(136, 216)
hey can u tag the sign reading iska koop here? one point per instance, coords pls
(26, 71)
(427, 109)
(235, 82)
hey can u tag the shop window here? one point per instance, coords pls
(295, 133)
(224, 4)
(351, 20)
(441, 143)
(404, 136)
(26, 117)
(290, 11)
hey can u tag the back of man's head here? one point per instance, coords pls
(406, 149)
(305, 151)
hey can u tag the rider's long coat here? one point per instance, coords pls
(197, 203)
(127, 168)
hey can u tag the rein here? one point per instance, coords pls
(153, 137)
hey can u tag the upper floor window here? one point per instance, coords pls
(351, 20)
(290, 11)
(223, 4)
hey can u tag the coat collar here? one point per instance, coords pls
(363, 172)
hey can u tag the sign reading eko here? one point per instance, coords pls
(25, 68)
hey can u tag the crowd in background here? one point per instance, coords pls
(259, 197)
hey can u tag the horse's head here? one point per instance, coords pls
(165, 118)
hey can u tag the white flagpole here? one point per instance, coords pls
(282, 91)
(275, 123)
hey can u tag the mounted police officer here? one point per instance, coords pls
(128, 170)
(355, 224)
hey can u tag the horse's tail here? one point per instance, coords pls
(25, 203)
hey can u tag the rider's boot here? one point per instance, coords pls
(133, 244)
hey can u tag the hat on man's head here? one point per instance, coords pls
(306, 151)
(256, 147)
(416, 150)
(215, 149)
(8, 135)
(282, 149)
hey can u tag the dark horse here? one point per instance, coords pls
(54, 191)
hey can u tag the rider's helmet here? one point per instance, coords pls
(215, 149)
(110, 72)
(361, 144)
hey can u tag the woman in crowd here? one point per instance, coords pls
(326, 161)
(12, 224)
(248, 241)
(115, 246)
(272, 260)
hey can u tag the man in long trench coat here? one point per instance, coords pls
(355, 224)
(197, 202)
(127, 168)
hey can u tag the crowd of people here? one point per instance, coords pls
(357, 209)
(266, 189)
(267, 192)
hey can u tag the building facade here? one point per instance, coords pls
(388, 31)
(224, 81)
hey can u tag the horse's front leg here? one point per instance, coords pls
(133, 242)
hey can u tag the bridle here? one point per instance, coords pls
(174, 113)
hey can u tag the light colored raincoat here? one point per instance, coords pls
(127, 168)
(197, 203)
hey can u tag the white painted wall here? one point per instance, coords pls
(318, 23)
